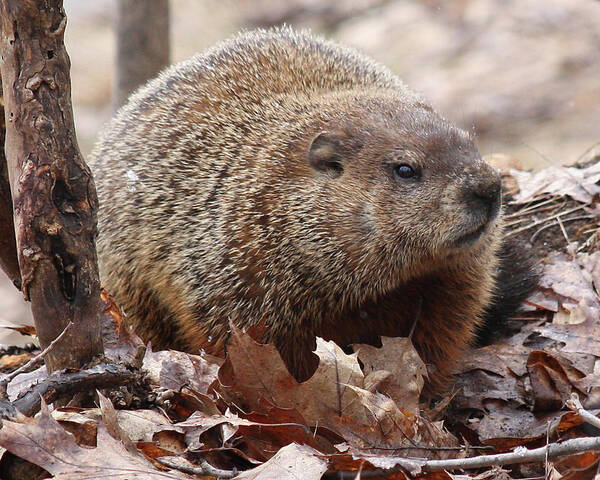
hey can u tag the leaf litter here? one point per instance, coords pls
(247, 417)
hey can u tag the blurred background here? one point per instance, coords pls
(524, 75)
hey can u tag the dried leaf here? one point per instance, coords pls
(551, 380)
(12, 362)
(199, 422)
(183, 404)
(579, 184)
(253, 371)
(109, 416)
(27, 330)
(478, 387)
(506, 425)
(581, 338)
(291, 462)
(45, 443)
(83, 425)
(141, 425)
(390, 432)
(153, 451)
(175, 370)
(404, 379)
(287, 427)
(569, 280)
(589, 381)
(23, 382)
(170, 441)
(541, 301)
(121, 345)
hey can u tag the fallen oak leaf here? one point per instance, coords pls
(12, 362)
(45, 443)
(152, 451)
(577, 467)
(552, 379)
(578, 183)
(175, 370)
(588, 382)
(568, 279)
(262, 442)
(524, 428)
(289, 463)
(391, 431)
(121, 344)
(140, 425)
(332, 398)
(574, 314)
(395, 369)
(541, 301)
(477, 386)
(181, 405)
(253, 371)
(79, 423)
(109, 416)
(579, 338)
(225, 457)
(340, 370)
(199, 423)
(388, 417)
(23, 382)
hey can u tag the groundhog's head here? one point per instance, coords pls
(406, 186)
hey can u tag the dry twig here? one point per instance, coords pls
(204, 468)
(558, 223)
(66, 382)
(543, 220)
(520, 455)
(35, 361)
(575, 404)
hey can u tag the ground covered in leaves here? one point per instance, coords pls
(360, 415)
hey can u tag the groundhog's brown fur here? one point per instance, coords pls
(263, 179)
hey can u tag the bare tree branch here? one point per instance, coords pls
(520, 455)
(65, 383)
(54, 197)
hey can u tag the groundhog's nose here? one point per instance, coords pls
(485, 192)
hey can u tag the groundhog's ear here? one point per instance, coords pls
(328, 152)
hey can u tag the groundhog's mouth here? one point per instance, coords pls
(471, 237)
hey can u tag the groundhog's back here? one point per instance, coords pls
(172, 168)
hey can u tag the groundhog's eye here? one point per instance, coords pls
(404, 171)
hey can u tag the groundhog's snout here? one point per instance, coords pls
(486, 194)
(481, 195)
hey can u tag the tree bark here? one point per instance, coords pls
(8, 245)
(54, 197)
(142, 44)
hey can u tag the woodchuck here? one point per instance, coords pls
(284, 178)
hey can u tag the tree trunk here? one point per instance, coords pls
(142, 44)
(8, 244)
(54, 197)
